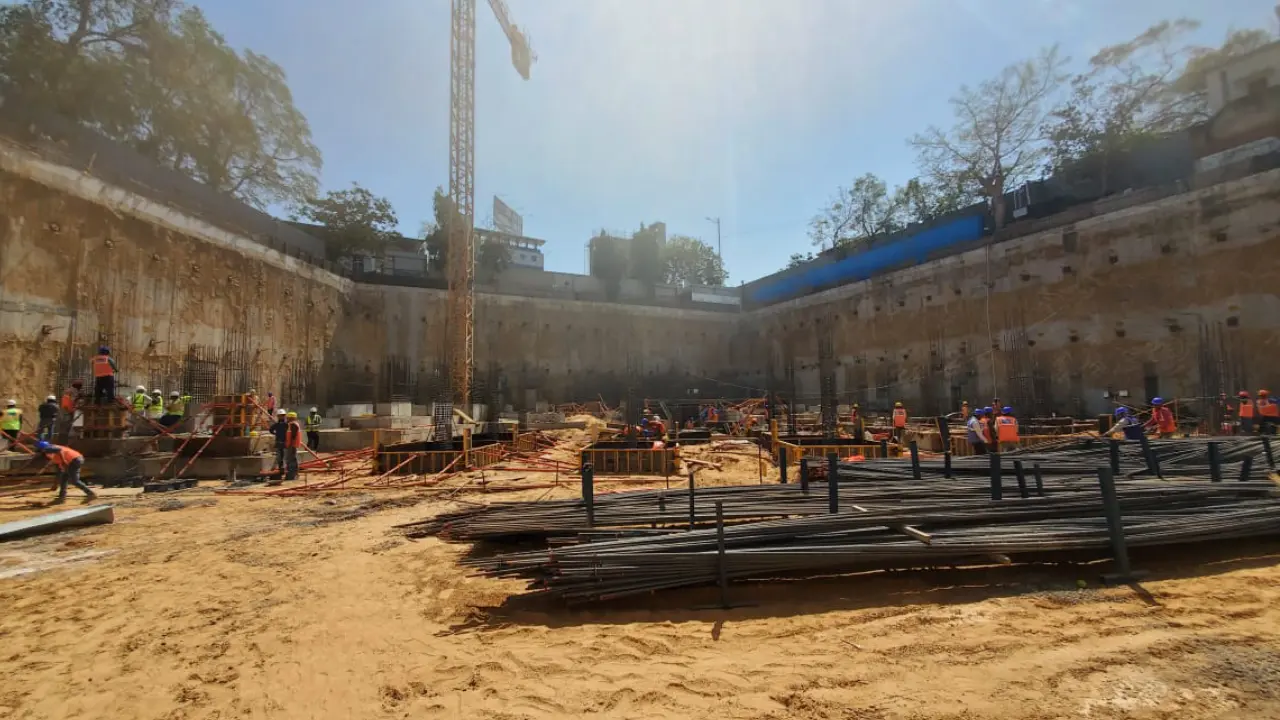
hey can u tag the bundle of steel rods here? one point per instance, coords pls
(868, 537)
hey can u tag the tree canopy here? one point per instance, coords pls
(689, 261)
(356, 220)
(154, 75)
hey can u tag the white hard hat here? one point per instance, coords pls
(281, 411)
(252, 391)
(655, 417)
(11, 402)
(175, 393)
(315, 409)
(157, 391)
(142, 388)
(51, 398)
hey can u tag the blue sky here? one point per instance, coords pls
(675, 110)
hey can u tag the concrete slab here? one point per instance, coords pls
(105, 447)
(341, 440)
(119, 467)
(380, 423)
(393, 409)
(219, 468)
(220, 447)
(352, 410)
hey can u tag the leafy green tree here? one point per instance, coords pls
(356, 221)
(154, 75)
(689, 261)
(798, 259)
(996, 141)
(921, 201)
(492, 257)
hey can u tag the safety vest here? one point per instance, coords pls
(178, 407)
(1246, 409)
(293, 435)
(1007, 428)
(986, 429)
(68, 401)
(156, 408)
(313, 422)
(62, 456)
(899, 417)
(102, 366)
(12, 419)
(1268, 408)
(1164, 420)
(271, 404)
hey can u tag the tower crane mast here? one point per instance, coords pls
(462, 130)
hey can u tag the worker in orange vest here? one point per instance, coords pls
(1007, 427)
(1245, 412)
(657, 427)
(1162, 419)
(1268, 412)
(988, 416)
(292, 442)
(899, 421)
(104, 377)
(859, 427)
(69, 463)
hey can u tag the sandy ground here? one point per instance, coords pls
(201, 606)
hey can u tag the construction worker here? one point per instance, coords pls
(1127, 423)
(1161, 419)
(48, 416)
(155, 408)
(859, 426)
(899, 421)
(70, 398)
(962, 415)
(292, 441)
(1245, 412)
(270, 403)
(657, 427)
(975, 433)
(11, 421)
(1268, 414)
(104, 377)
(988, 414)
(278, 429)
(313, 429)
(140, 400)
(175, 410)
(69, 463)
(1007, 427)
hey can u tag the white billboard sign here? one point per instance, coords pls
(505, 219)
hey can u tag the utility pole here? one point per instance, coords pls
(716, 220)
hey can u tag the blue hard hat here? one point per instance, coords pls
(988, 409)
(1007, 410)
(1121, 411)
(104, 350)
(1157, 401)
(43, 445)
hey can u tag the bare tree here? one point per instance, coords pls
(997, 139)
(861, 211)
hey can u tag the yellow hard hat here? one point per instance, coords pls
(898, 404)
(291, 414)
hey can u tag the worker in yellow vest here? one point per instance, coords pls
(175, 410)
(11, 421)
(140, 399)
(899, 421)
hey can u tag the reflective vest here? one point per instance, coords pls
(1007, 428)
(68, 401)
(12, 419)
(986, 429)
(293, 435)
(102, 366)
(313, 422)
(140, 401)
(1246, 409)
(1164, 420)
(156, 408)
(62, 456)
(899, 417)
(179, 406)
(1268, 408)
(271, 403)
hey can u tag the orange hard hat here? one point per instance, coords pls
(1243, 393)
(1263, 393)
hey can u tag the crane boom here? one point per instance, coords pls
(462, 155)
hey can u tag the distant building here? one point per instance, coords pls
(1248, 75)
(657, 233)
(526, 252)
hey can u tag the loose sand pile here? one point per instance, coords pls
(312, 607)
